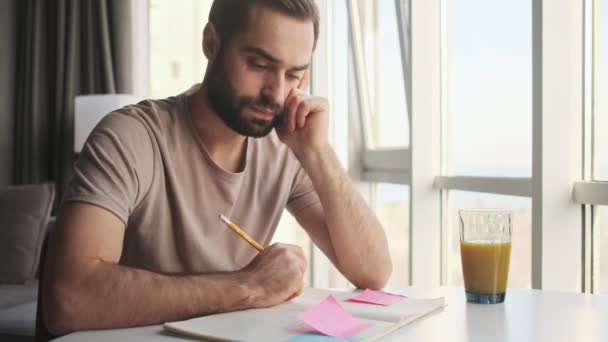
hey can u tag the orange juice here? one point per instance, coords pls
(485, 266)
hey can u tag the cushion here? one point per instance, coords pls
(18, 310)
(19, 320)
(24, 214)
(17, 294)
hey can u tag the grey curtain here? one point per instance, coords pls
(64, 48)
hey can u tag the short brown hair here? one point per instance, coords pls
(232, 16)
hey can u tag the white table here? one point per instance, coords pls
(526, 315)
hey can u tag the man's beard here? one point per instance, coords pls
(229, 106)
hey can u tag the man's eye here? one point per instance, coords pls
(293, 77)
(258, 66)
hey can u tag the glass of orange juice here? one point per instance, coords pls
(485, 250)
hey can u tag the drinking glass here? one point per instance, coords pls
(485, 250)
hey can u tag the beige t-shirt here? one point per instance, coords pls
(147, 165)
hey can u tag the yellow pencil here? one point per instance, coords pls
(241, 233)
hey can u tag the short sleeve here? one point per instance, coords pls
(115, 168)
(302, 192)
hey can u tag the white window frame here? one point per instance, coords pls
(140, 36)
(374, 163)
(322, 84)
(426, 203)
(591, 192)
(557, 125)
(416, 165)
(557, 243)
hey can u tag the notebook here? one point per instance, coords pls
(281, 323)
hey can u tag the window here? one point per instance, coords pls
(601, 93)
(389, 117)
(375, 44)
(600, 144)
(520, 264)
(391, 204)
(176, 34)
(601, 269)
(489, 95)
(341, 81)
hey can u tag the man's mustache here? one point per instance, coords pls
(264, 104)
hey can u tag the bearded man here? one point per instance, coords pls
(138, 240)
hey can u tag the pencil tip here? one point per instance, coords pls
(224, 218)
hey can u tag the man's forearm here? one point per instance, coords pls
(357, 237)
(111, 296)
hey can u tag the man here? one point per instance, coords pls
(138, 240)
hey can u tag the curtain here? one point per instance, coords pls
(64, 48)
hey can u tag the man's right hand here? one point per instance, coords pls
(277, 274)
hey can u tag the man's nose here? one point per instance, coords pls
(274, 89)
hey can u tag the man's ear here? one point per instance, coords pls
(211, 42)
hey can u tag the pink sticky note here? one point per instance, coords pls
(331, 319)
(377, 297)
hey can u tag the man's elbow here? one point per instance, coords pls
(56, 322)
(376, 278)
(380, 280)
(60, 312)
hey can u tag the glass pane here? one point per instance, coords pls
(601, 94)
(390, 119)
(601, 260)
(489, 87)
(176, 58)
(391, 204)
(521, 246)
(340, 103)
(341, 81)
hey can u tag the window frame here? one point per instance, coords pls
(556, 84)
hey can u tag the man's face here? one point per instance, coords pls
(256, 70)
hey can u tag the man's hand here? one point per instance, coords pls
(305, 123)
(342, 224)
(278, 274)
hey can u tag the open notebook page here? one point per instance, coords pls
(271, 324)
(280, 323)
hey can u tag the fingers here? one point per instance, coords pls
(305, 80)
(301, 114)
(299, 106)
(296, 293)
(294, 253)
(280, 271)
(301, 259)
(290, 110)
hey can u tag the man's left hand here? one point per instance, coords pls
(305, 124)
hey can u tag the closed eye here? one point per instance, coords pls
(293, 77)
(257, 66)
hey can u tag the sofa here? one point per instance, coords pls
(25, 219)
